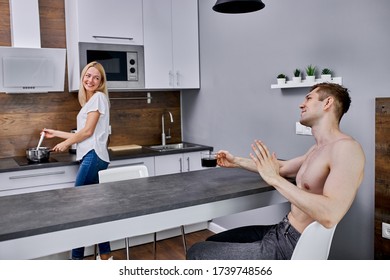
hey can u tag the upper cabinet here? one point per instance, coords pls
(167, 29)
(171, 44)
(102, 21)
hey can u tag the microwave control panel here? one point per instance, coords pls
(132, 66)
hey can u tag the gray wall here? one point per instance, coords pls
(241, 56)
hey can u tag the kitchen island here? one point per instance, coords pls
(43, 223)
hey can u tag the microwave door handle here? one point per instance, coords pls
(112, 37)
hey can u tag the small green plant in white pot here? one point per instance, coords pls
(326, 75)
(297, 76)
(310, 73)
(281, 78)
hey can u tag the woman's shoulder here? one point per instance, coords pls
(99, 94)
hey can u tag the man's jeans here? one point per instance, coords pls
(270, 242)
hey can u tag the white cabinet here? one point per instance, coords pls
(177, 163)
(100, 21)
(42, 179)
(50, 178)
(34, 180)
(171, 44)
(192, 161)
(168, 164)
(147, 161)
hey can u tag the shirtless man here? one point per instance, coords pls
(327, 179)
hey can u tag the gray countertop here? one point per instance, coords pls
(47, 211)
(63, 159)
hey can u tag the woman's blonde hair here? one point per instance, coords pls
(103, 82)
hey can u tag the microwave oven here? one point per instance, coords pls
(123, 64)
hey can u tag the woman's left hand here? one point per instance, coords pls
(60, 147)
(266, 163)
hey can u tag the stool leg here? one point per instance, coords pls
(95, 251)
(155, 245)
(183, 235)
(127, 241)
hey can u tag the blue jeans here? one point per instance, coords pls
(270, 242)
(88, 174)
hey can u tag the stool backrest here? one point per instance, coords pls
(123, 173)
(314, 243)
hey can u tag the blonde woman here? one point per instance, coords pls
(91, 136)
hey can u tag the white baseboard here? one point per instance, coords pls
(134, 241)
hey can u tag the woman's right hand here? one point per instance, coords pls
(49, 133)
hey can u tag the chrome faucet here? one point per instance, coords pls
(163, 136)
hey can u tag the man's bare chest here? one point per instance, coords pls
(314, 171)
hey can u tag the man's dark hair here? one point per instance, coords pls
(338, 92)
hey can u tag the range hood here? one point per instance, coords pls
(31, 70)
(26, 67)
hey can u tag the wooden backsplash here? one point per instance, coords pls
(23, 116)
(382, 176)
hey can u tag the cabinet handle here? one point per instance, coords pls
(171, 78)
(181, 165)
(177, 78)
(112, 37)
(188, 164)
(36, 175)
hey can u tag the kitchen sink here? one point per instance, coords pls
(172, 147)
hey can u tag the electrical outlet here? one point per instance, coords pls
(385, 230)
(302, 130)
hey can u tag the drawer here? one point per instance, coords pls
(38, 178)
(37, 189)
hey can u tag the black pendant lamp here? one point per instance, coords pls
(238, 6)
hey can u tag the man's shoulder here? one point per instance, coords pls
(347, 146)
(347, 141)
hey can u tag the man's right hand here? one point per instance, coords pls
(225, 159)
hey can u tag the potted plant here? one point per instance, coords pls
(297, 76)
(310, 73)
(326, 75)
(281, 78)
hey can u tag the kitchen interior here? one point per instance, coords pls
(229, 100)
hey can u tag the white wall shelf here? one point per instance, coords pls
(304, 83)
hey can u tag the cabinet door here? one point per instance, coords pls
(192, 161)
(185, 43)
(168, 164)
(121, 19)
(34, 180)
(158, 44)
(147, 161)
(177, 163)
(171, 44)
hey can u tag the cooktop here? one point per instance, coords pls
(23, 161)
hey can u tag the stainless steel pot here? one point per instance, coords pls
(38, 155)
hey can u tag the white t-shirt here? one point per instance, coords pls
(98, 140)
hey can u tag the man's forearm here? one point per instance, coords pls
(245, 163)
